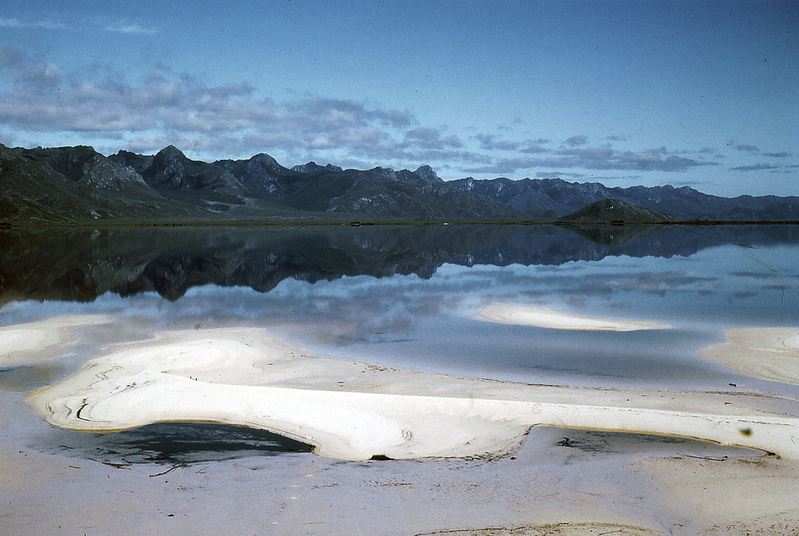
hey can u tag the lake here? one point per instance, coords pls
(407, 296)
(396, 296)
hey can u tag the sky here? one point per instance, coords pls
(681, 92)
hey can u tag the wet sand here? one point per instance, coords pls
(766, 353)
(518, 479)
(594, 483)
(354, 410)
(39, 341)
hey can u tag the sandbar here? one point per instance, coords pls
(765, 353)
(28, 343)
(354, 410)
(543, 317)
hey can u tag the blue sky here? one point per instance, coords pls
(691, 93)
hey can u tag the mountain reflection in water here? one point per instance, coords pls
(82, 264)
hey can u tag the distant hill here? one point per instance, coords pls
(70, 185)
(550, 199)
(617, 212)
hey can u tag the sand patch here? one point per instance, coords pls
(729, 496)
(556, 529)
(355, 410)
(548, 318)
(37, 341)
(766, 353)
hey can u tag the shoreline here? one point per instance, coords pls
(553, 480)
(765, 353)
(354, 410)
(22, 344)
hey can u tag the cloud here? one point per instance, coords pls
(488, 143)
(747, 148)
(652, 160)
(574, 141)
(79, 24)
(213, 121)
(34, 24)
(337, 112)
(558, 174)
(431, 138)
(130, 29)
(169, 108)
(589, 154)
(38, 102)
(755, 167)
(532, 147)
(596, 158)
(26, 73)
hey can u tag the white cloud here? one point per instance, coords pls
(64, 22)
(183, 106)
(34, 24)
(130, 29)
(39, 102)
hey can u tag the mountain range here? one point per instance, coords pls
(550, 199)
(78, 185)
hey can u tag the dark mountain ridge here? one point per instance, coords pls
(71, 185)
(550, 199)
(67, 185)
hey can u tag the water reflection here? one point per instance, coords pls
(82, 264)
(700, 280)
(169, 443)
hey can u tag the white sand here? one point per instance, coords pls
(604, 483)
(28, 343)
(547, 489)
(354, 410)
(548, 318)
(766, 353)
(728, 496)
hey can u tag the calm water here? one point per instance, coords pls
(403, 296)
(407, 296)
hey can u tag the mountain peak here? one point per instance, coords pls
(312, 166)
(427, 173)
(170, 152)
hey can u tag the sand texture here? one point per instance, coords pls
(28, 343)
(766, 353)
(542, 317)
(354, 410)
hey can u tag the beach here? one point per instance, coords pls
(544, 317)
(40, 341)
(768, 353)
(394, 451)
